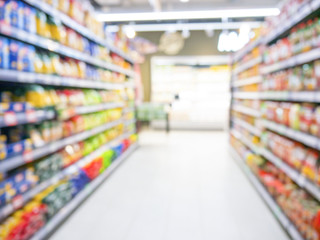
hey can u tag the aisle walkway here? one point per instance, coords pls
(182, 186)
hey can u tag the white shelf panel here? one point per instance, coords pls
(247, 65)
(52, 80)
(246, 95)
(252, 129)
(246, 110)
(248, 81)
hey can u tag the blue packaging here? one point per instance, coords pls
(15, 148)
(29, 19)
(94, 50)
(27, 56)
(4, 53)
(86, 45)
(3, 19)
(14, 47)
(15, 11)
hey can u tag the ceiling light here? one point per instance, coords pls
(181, 27)
(214, 14)
(184, 1)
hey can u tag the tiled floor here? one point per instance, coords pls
(181, 186)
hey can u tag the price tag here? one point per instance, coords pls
(10, 119)
(31, 116)
(17, 202)
(28, 156)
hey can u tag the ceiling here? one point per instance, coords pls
(117, 6)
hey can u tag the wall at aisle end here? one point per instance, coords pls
(198, 44)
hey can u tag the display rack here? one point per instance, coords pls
(19, 160)
(82, 196)
(122, 137)
(273, 206)
(248, 133)
(76, 26)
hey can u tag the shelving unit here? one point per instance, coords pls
(243, 91)
(273, 206)
(82, 196)
(246, 110)
(115, 135)
(66, 20)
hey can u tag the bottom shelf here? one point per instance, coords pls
(81, 197)
(276, 210)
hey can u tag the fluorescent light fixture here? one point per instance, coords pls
(213, 14)
(184, 1)
(181, 27)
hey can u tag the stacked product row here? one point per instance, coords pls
(275, 116)
(59, 138)
(68, 54)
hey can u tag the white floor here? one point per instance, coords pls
(181, 186)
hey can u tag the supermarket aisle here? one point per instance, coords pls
(178, 186)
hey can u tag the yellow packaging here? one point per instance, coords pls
(38, 63)
(81, 69)
(42, 25)
(47, 64)
(56, 64)
(64, 5)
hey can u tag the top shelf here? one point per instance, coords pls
(305, 11)
(66, 20)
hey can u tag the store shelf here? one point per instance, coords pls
(58, 48)
(78, 199)
(32, 116)
(70, 112)
(128, 110)
(20, 201)
(129, 122)
(245, 141)
(299, 59)
(66, 20)
(302, 96)
(295, 176)
(246, 110)
(274, 207)
(246, 95)
(248, 48)
(248, 81)
(22, 159)
(52, 80)
(306, 10)
(247, 65)
(306, 139)
(252, 129)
